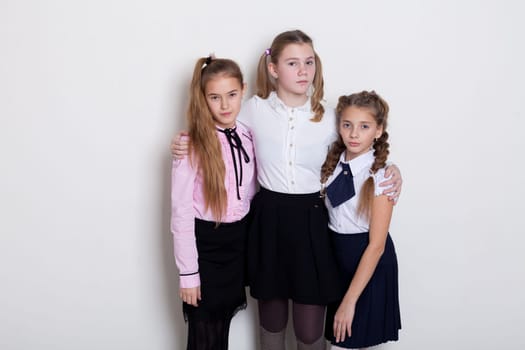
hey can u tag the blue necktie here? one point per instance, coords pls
(342, 188)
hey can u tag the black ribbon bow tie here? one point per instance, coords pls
(236, 144)
(342, 188)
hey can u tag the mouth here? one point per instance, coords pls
(227, 114)
(353, 144)
(302, 82)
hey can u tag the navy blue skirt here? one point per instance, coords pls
(290, 253)
(377, 317)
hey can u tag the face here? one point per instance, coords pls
(358, 129)
(295, 69)
(224, 97)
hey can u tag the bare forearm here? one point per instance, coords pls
(365, 270)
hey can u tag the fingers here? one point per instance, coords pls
(177, 142)
(190, 297)
(393, 198)
(179, 148)
(340, 331)
(392, 169)
(394, 187)
(336, 331)
(393, 192)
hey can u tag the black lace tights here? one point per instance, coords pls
(208, 335)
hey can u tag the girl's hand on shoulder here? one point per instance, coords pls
(343, 321)
(395, 182)
(190, 295)
(179, 146)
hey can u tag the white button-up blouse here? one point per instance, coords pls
(290, 149)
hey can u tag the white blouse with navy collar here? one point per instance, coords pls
(344, 218)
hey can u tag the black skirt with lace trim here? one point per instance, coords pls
(221, 267)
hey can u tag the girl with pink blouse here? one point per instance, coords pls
(211, 194)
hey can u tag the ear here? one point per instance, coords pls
(379, 132)
(272, 69)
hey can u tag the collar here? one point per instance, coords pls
(275, 102)
(222, 129)
(358, 164)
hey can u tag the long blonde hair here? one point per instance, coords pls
(379, 110)
(266, 83)
(204, 142)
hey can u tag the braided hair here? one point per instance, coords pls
(378, 107)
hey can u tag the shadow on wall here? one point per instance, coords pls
(171, 282)
(177, 121)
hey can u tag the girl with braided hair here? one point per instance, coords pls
(289, 258)
(359, 219)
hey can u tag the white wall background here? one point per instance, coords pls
(92, 91)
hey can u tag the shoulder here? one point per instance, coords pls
(379, 177)
(328, 111)
(249, 110)
(244, 130)
(254, 102)
(329, 115)
(242, 127)
(329, 123)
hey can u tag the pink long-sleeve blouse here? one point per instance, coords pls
(187, 198)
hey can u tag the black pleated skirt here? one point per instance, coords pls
(289, 252)
(377, 317)
(222, 270)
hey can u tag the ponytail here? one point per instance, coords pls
(266, 83)
(204, 142)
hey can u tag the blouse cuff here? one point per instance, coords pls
(190, 281)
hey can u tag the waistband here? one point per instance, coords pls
(213, 224)
(289, 196)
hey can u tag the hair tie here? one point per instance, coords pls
(210, 58)
(268, 51)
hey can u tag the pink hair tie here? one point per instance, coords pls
(268, 52)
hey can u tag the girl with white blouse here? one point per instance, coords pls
(289, 252)
(359, 219)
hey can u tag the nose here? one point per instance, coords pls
(224, 103)
(353, 133)
(302, 69)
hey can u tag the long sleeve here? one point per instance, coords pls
(183, 222)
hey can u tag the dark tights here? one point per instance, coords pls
(208, 335)
(308, 320)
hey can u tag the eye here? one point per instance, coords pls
(233, 94)
(346, 125)
(292, 63)
(310, 62)
(365, 126)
